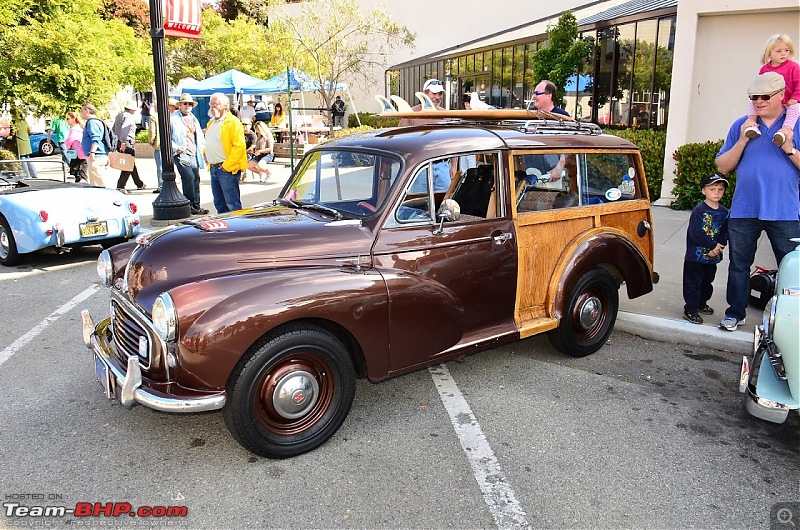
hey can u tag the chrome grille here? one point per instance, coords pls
(126, 331)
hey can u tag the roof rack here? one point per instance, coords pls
(561, 126)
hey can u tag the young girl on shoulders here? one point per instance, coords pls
(778, 57)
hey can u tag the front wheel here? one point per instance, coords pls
(291, 394)
(590, 317)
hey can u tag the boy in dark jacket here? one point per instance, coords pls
(706, 238)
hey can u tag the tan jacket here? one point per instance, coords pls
(152, 132)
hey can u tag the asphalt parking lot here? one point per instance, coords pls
(641, 434)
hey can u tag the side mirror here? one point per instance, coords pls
(449, 210)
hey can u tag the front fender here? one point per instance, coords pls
(222, 318)
(597, 248)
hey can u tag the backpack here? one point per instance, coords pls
(108, 140)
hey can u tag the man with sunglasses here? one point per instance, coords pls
(544, 98)
(434, 89)
(766, 197)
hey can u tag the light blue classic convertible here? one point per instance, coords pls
(40, 213)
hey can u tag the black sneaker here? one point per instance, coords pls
(694, 318)
(706, 310)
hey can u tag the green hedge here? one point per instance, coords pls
(372, 120)
(692, 163)
(653, 144)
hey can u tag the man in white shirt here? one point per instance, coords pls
(248, 110)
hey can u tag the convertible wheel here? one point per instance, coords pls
(291, 395)
(588, 322)
(8, 247)
(47, 148)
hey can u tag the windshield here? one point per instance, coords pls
(353, 183)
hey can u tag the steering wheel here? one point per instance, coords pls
(366, 207)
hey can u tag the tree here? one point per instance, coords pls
(58, 54)
(343, 43)
(564, 54)
(241, 43)
(134, 13)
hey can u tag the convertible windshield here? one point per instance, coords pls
(353, 183)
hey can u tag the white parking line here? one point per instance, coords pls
(41, 326)
(497, 492)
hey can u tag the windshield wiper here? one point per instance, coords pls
(313, 206)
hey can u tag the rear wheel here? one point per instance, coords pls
(590, 317)
(8, 247)
(290, 395)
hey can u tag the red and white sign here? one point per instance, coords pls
(183, 19)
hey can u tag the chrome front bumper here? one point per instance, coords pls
(774, 410)
(126, 384)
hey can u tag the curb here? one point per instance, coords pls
(682, 332)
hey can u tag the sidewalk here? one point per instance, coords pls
(657, 315)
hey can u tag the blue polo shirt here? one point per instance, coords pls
(766, 180)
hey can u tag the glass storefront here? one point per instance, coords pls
(625, 81)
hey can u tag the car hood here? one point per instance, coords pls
(253, 240)
(66, 201)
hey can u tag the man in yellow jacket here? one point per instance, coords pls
(226, 154)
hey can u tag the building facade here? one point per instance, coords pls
(680, 65)
(626, 81)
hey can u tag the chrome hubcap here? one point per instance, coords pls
(590, 312)
(295, 394)
(3, 244)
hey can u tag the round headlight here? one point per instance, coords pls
(165, 318)
(768, 317)
(105, 270)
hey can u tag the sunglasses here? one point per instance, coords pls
(433, 82)
(539, 92)
(764, 97)
(186, 103)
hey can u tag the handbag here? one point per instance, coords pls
(121, 161)
(71, 154)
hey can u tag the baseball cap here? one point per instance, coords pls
(766, 83)
(713, 179)
(434, 85)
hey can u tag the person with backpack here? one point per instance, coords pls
(96, 143)
(125, 132)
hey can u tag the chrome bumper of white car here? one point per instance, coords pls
(126, 385)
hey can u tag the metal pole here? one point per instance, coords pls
(289, 104)
(170, 203)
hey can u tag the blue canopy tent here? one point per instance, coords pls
(294, 80)
(232, 82)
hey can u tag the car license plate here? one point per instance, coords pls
(101, 370)
(94, 229)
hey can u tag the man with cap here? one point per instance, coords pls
(248, 110)
(125, 131)
(434, 89)
(188, 145)
(767, 196)
(226, 154)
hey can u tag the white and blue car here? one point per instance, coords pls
(39, 213)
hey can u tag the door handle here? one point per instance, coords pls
(502, 238)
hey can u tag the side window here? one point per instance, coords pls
(545, 181)
(607, 177)
(475, 186)
(469, 179)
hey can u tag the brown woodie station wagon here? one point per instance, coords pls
(387, 252)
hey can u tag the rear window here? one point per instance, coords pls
(548, 181)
